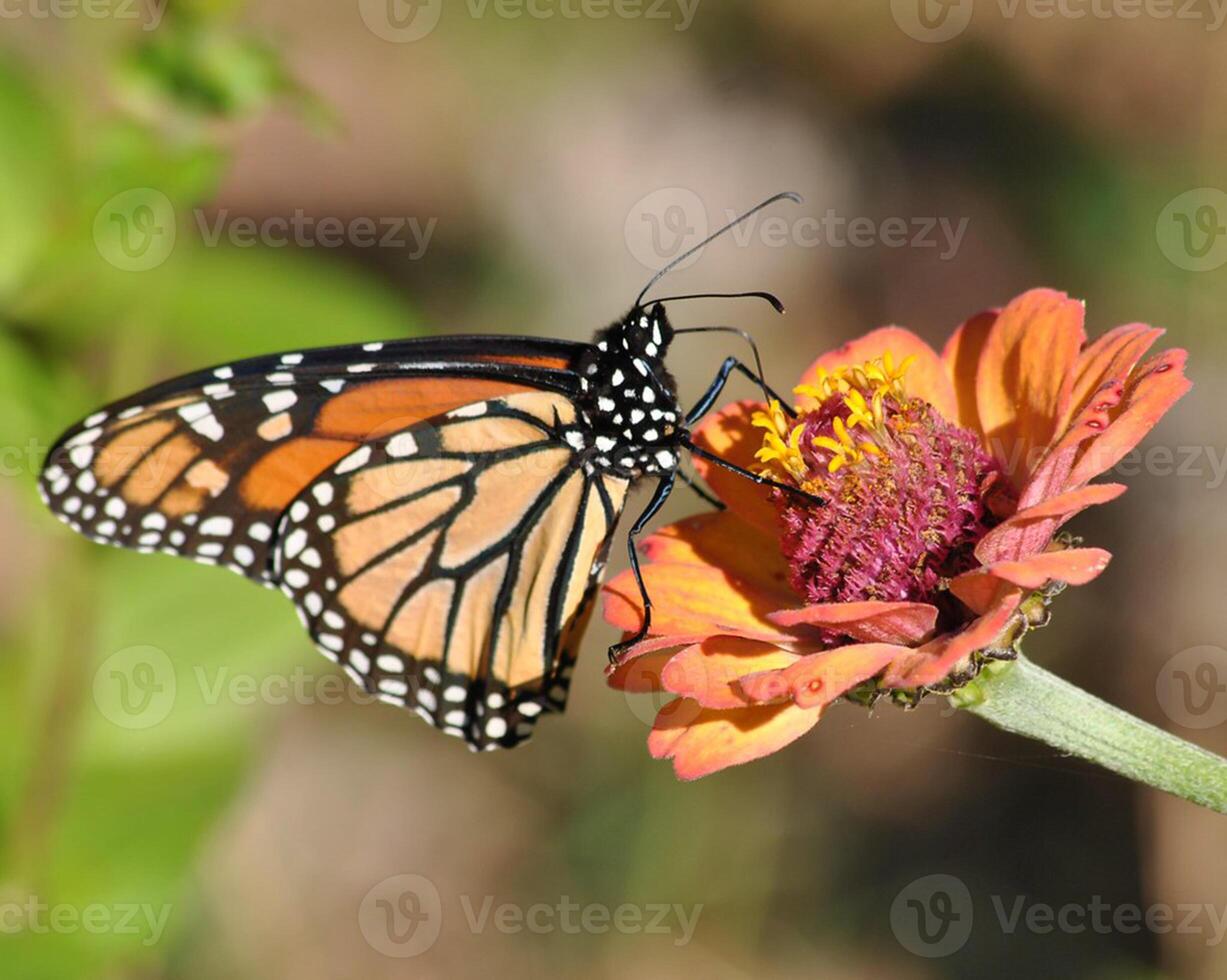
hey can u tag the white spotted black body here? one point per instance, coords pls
(633, 426)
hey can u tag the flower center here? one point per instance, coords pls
(906, 489)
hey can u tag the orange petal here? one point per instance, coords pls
(935, 660)
(638, 669)
(871, 621)
(926, 378)
(961, 357)
(723, 540)
(640, 675)
(1052, 476)
(1111, 357)
(691, 599)
(820, 678)
(1151, 391)
(701, 741)
(1075, 566)
(708, 672)
(729, 435)
(1031, 529)
(1025, 376)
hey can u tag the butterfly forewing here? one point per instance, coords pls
(449, 565)
(205, 465)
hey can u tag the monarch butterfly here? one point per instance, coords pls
(439, 510)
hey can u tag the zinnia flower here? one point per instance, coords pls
(947, 479)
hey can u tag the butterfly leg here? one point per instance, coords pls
(763, 481)
(731, 364)
(663, 489)
(700, 492)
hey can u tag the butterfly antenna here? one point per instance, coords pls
(785, 195)
(768, 394)
(753, 294)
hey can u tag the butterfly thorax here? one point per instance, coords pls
(628, 400)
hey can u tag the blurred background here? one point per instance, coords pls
(188, 790)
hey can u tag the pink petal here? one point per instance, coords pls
(1031, 529)
(1075, 566)
(1111, 357)
(1052, 476)
(1154, 389)
(820, 678)
(870, 621)
(936, 659)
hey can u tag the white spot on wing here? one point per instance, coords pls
(496, 728)
(279, 401)
(210, 428)
(295, 543)
(402, 444)
(354, 460)
(260, 531)
(218, 527)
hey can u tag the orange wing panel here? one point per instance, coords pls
(382, 407)
(279, 476)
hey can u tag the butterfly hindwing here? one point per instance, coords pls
(449, 565)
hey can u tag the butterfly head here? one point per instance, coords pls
(644, 332)
(652, 333)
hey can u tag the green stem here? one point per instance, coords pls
(1022, 697)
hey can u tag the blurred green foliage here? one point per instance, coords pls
(87, 813)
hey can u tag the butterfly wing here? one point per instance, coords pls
(450, 565)
(204, 465)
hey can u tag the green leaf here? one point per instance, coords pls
(30, 169)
